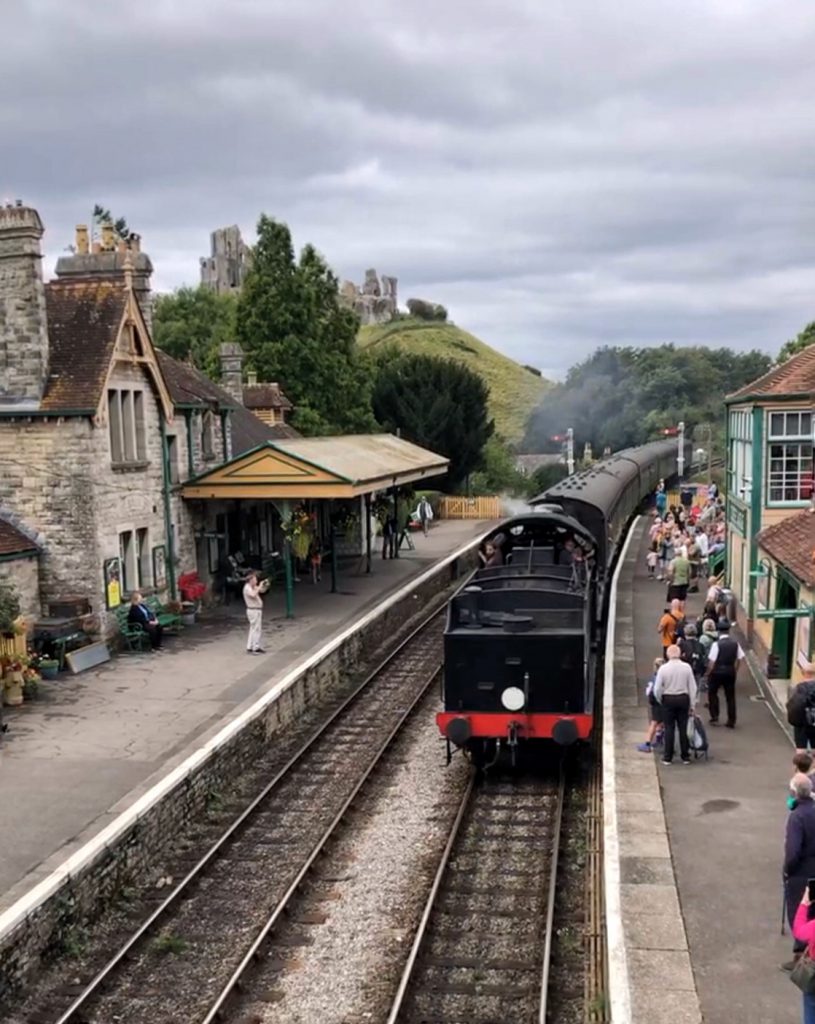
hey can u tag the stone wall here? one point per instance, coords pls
(130, 859)
(23, 338)
(23, 573)
(59, 479)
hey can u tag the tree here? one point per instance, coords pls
(119, 224)
(293, 329)
(436, 403)
(545, 477)
(797, 344)
(625, 396)
(191, 323)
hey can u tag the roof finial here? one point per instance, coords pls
(127, 267)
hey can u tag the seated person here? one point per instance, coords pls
(141, 615)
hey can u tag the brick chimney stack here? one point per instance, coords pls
(23, 327)
(106, 259)
(232, 370)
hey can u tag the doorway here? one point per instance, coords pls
(786, 599)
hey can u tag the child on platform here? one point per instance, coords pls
(653, 738)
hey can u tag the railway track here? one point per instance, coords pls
(184, 962)
(482, 950)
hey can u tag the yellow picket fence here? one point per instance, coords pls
(11, 645)
(470, 508)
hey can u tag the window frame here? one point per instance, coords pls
(785, 430)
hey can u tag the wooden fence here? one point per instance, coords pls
(470, 508)
(10, 645)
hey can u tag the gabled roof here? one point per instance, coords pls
(83, 322)
(792, 543)
(265, 396)
(319, 467)
(794, 378)
(189, 386)
(15, 542)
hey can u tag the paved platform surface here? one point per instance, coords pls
(725, 824)
(80, 754)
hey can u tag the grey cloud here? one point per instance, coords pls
(560, 175)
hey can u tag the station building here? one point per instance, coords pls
(770, 513)
(101, 433)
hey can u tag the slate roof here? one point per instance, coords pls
(189, 386)
(265, 396)
(83, 323)
(792, 543)
(14, 542)
(796, 376)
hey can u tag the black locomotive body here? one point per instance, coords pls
(523, 633)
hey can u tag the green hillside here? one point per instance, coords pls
(514, 391)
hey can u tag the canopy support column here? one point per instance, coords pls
(395, 541)
(368, 534)
(333, 535)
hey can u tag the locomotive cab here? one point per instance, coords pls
(518, 662)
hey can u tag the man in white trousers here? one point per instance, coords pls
(254, 613)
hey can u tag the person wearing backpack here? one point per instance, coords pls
(692, 651)
(723, 666)
(671, 626)
(801, 710)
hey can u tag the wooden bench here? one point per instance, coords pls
(135, 639)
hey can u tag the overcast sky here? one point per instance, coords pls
(559, 173)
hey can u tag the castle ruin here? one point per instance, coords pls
(224, 270)
(375, 302)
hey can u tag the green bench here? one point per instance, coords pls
(170, 621)
(135, 639)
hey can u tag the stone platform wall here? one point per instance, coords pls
(96, 875)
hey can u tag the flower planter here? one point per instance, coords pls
(13, 689)
(49, 669)
(187, 613)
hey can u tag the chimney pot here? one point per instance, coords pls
(96, 247)
(251, 377)
(18, 202)
(108, 243)
(82, 239)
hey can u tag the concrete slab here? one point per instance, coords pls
(660, 970)
(93, 742)
(679, 1007)
(725, 820)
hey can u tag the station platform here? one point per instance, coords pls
(725, 821)
(91, 744)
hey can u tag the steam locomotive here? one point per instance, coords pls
(524, 633)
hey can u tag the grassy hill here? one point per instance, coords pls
(514, 391)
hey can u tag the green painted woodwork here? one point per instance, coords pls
(756, 494)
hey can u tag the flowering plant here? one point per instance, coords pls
(298, 530)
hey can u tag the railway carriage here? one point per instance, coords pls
(522, 636)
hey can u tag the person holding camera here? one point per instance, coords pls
(253, 599)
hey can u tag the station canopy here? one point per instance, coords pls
(318, 467)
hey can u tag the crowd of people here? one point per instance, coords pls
(699, 657)
(699, 662)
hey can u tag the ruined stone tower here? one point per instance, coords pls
(224, 270)
(23, 330)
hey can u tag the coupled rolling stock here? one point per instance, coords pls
(523, 634)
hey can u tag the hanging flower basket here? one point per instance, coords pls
(298, 530)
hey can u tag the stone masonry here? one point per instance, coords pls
(23, 337)
(374, 302)
(224, 270)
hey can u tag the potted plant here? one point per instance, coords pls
(9, 609)
(13, 680)
(31, 683)
(49, 668)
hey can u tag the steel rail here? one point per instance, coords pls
(413, 957)
(148, 925)
(217, 1007)
(550, 901)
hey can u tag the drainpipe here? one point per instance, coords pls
(168, 523)
(190, 452)
(224, 422)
